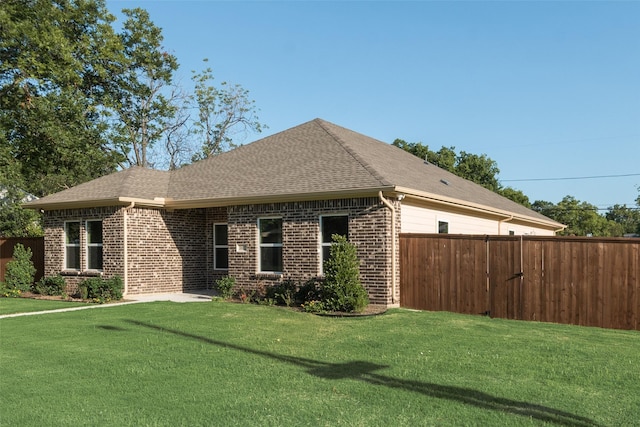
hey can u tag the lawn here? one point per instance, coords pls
(26, 305)
(170, 364)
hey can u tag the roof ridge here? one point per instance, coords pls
(374, 173)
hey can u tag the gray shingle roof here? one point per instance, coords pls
(316, 157)
(132, 183)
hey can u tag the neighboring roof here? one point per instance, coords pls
(316, 159)
(4, 194)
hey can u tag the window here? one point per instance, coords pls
(94, 245)
(72, 245)
(330, 225)
(443, 227)
(512, 233)
(270, 238)
(220, 247)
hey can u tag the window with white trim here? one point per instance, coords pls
(94, 244)
(72, 245)
(443, 227)
(270, 244)
(220, 247)
(330, 225)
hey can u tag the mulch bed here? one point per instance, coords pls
(31, 295)
(370, 310)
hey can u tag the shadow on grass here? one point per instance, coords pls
(366, 372)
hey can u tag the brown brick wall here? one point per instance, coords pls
(166, 250)
(172, 251)
(112, 243)
(369, 230)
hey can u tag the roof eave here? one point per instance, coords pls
(95, 203)
(274, 198)
(470, 206)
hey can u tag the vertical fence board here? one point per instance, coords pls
(581, 281)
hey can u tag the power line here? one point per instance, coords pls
(569, 178)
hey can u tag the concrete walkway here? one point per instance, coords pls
(192, 296)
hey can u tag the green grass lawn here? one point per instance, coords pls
(170, 364)
(26, 305)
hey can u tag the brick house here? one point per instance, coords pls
(264, 212)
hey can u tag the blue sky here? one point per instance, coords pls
(546, 89)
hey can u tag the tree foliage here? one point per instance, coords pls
(476, 168)
(222, 112)
(143, 108)
(581, 218)
(80, 99)
(56, 62)
(15, 221)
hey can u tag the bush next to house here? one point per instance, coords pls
(342, 290)
(52, 285)
(224, 286)
(20, 271)
(339, 291)
(283, 293)
(101, 290)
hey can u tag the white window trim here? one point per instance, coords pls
(215, 258)
(66, 245)
(261, 245)
(321, 244)
(88, 245)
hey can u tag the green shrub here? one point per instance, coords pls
(5, 292)
(224, 286)
(101, 290)
(311, 290)
(20, 271)
(52, 285)
(313, 306)
(248, 295)
(342, 290)
(283, 293)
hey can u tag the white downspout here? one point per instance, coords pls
(393, 245)
(125, 279)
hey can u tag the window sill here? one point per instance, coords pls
(90, 273)
(70, 273)
(97, 273)
(267, 275)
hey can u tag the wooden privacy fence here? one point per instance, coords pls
(572, 280)
(37, 248)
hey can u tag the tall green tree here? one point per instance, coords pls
(581, 218)
(145, 104)
(56, 62)
(15, 221)
(628, 218)
(515, 195)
